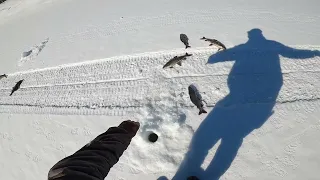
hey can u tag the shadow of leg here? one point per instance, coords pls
(191, 165)
(223, 158)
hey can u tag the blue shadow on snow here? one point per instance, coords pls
(254, 83)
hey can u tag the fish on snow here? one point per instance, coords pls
(176, 60)
(196, 98)
(185, 40)
(16, 87)
(215, 42)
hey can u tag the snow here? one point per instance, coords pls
(89, 65)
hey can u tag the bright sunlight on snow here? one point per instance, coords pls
(89, 65)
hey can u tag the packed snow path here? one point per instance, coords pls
(119, 85)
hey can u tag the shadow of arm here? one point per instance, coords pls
(222, 56)
(297, 53)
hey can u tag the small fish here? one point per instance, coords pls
(176, 60)
(3, 76)
(16, 87)
(215, 42)
(196, 98)
(184, 38)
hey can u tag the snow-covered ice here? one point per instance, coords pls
(89, 65)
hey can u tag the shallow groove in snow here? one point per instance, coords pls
(119, 85)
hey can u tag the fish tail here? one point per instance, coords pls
(187, 46)
(11, 93)
(202, 111)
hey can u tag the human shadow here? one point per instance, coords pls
(254, 84)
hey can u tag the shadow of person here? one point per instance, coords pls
(254, 83)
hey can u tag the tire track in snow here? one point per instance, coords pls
(119, 85)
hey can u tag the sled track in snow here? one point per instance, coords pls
(119, 85)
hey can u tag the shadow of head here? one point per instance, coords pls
(255, 33)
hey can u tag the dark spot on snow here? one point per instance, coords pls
(26, 54)
(182, 119)
(181, 94)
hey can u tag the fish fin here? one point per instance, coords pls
(210, 44)
(179, 63)
(203, 38)
(205, 101)
(188, 54)
(202, 111)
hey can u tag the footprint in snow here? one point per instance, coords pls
(32, 53)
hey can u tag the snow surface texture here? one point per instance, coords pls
(90, 65)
